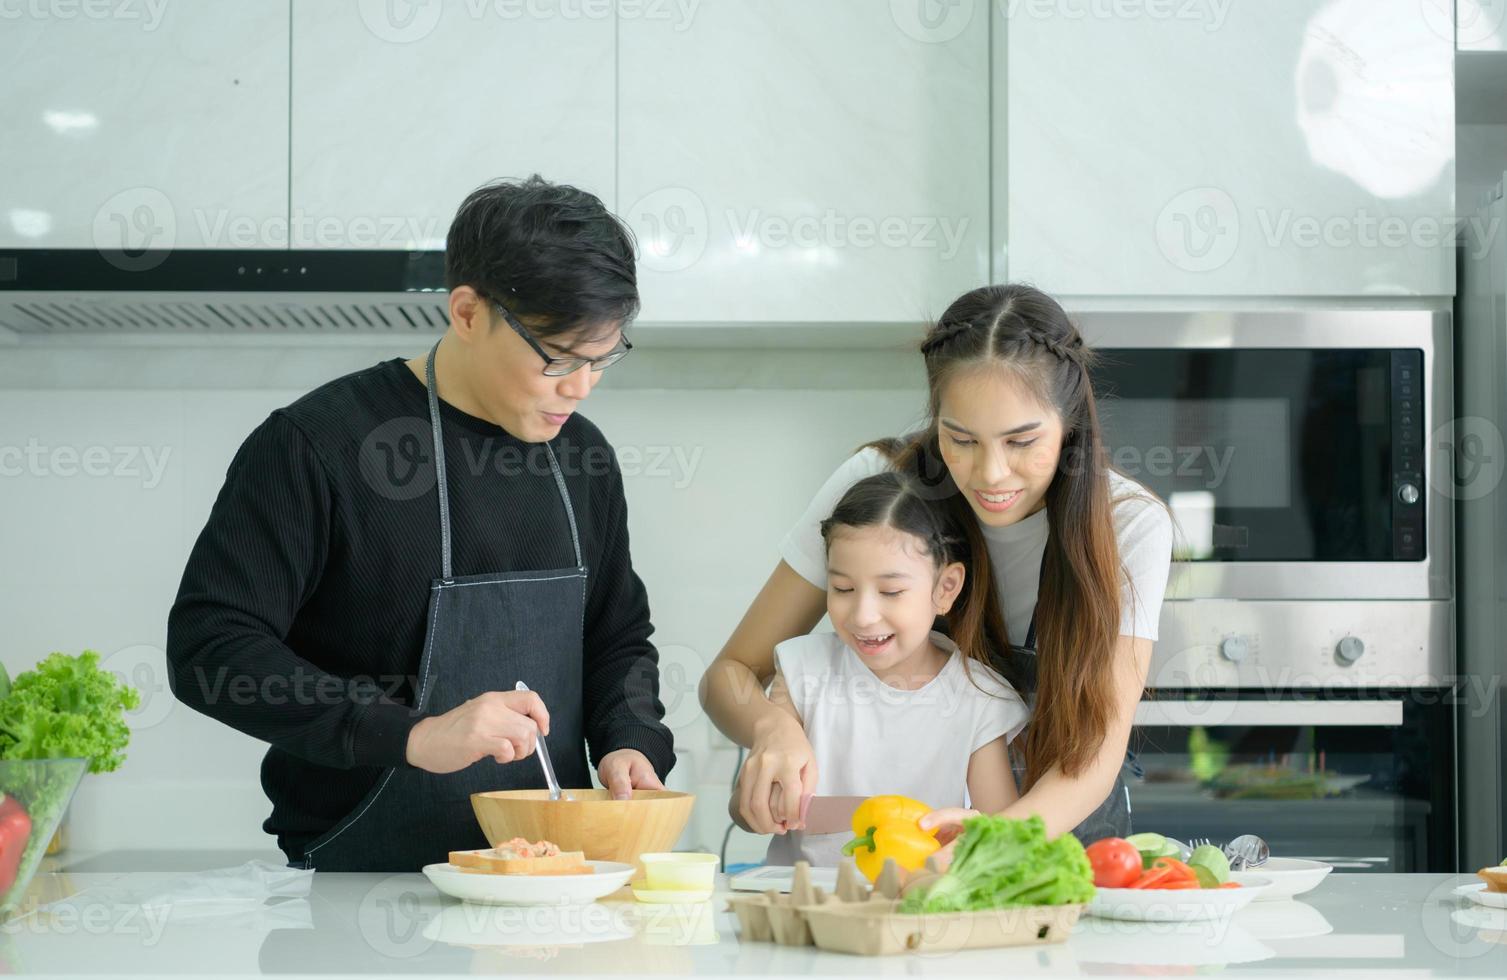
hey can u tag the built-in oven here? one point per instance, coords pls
(1303, 685)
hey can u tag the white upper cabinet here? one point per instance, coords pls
(144, 125)
(799, 161)
(402, 109)
(1204, 147)
(1480, 25)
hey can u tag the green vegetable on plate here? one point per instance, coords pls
(1211, 859)
(1152, 846)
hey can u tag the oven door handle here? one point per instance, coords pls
(1212, 713)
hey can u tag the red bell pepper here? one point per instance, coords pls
(1167, 872)
(15, 831)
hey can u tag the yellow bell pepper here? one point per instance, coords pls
(887, 827)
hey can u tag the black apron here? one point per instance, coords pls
(486, 632)
(1112, 818)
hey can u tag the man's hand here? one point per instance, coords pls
(626, 770)
(502, 724)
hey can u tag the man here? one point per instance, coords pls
(394, 552)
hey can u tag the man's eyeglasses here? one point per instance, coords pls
(559, 367)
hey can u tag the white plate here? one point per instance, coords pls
(1491, 921)
(1477, 893)
(488, 889)
(1172, 904)
(1287, 877)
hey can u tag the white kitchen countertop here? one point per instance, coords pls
(1356, 924)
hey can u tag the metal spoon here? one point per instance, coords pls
(542, 750)
(1246, 851)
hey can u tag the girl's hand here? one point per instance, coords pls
(778, 775)
(949, 820)
(943, 858)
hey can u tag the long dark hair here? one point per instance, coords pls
(894, 500)
(1021, 330)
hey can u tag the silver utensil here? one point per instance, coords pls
(1247, 851)
(1184, 851)
(542, 751)
(1244, 852)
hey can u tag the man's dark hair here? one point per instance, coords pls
(551, 253)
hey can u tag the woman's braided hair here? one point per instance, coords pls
(1065, 345)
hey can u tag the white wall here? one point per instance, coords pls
(94, 561)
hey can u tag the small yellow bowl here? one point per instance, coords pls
(679, 872)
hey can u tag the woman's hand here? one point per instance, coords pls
(949, 824)
(777, 778)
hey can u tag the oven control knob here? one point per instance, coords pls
(1234, 648)
(1349, 649)
(1407, 493)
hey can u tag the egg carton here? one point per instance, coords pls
(866, 921)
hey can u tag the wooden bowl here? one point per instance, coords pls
(606, 829)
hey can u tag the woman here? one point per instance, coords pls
(1077, 565)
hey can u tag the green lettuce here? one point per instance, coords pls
(67, 708)
(1000, 862)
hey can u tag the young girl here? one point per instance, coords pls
(888, 704)
(1071, 558)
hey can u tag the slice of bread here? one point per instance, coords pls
(486, 861)
(1495, 878)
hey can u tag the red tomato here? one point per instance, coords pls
(1115, 861)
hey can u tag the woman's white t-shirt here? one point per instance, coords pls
(869, 738)
(1143, 529)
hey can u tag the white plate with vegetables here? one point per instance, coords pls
(1141, 879)
(1172, 905)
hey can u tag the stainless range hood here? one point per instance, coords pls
(52, 292)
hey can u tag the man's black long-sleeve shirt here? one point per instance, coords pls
(300, 619)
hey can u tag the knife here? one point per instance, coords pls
(831, 814)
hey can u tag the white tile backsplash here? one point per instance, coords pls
(94, 561)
